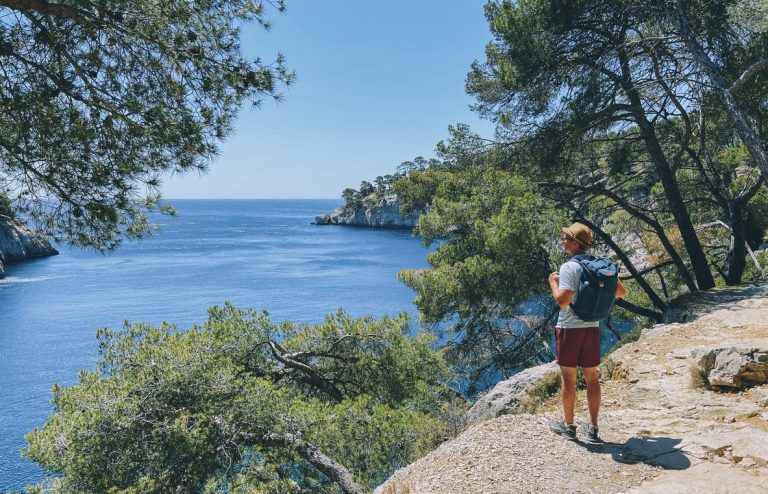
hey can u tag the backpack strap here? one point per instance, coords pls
(580, 258)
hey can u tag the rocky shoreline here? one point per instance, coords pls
(385, 214)
(19, 243)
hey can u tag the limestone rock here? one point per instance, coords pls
(505, 398)
(734, 367)
(17, 243)
(760, 396)
(385, 214)
(663, 433)
(706, 478)
(323, 219)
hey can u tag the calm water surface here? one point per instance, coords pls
(256, 254)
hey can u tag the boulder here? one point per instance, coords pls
(17, 243)
(323, 219)
(508, 396)
(733, 367)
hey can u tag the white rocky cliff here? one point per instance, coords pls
(18, 243)
(385, 214)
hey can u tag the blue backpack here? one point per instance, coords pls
(597, 287)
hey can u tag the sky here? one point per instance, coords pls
(377, 83)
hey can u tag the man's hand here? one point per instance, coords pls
(562, 297)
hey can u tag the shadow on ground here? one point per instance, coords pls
(657, 451)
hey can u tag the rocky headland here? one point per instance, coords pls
(384, 214)
(18, 243)
(685, 410)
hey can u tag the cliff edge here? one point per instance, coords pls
(17, 243)
(685, 409)
(384, 214)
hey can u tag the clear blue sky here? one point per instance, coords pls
(377, 84)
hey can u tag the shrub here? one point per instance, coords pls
(244, 404)
(6, 207)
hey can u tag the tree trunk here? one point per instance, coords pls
(668, 181)
(636, 309)
(313, 378)
(325, 464)
(735, 261)
(677, 207)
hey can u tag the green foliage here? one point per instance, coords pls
(751, 273)
(627, 157)
(494, 224)
(463, 150)
(101, 99)
(370, 194)
(543, 390)
(416, 193)
(6, 207)
(418, 163)
(231, 405)
(757, 218)
(595, 106)
(492, 261)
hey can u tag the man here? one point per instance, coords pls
(578, 341)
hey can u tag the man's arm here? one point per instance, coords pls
(562, 297)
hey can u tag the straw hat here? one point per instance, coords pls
(580, 232)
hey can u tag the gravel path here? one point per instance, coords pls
(663, 435)
(517, 453)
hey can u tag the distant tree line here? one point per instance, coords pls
(370, 194)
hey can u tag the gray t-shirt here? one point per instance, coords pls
(570, 274)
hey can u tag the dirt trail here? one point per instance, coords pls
(663, 433)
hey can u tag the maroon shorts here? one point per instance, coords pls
(578, 347)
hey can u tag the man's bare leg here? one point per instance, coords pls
(593, 393)
(568, 375)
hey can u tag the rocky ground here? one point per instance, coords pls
(664, 431)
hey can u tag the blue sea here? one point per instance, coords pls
(261, 254)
